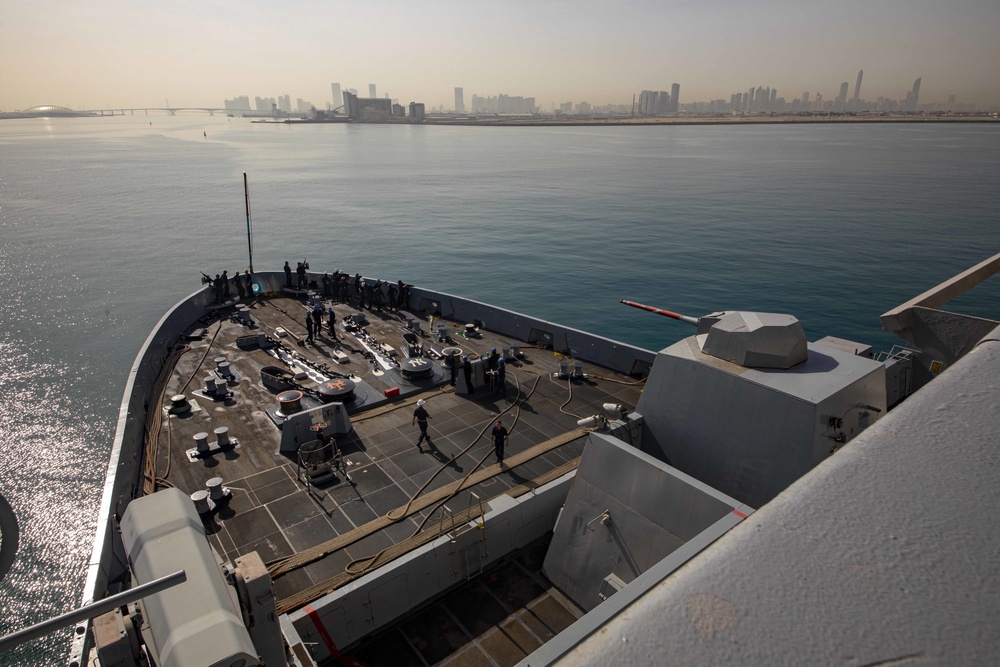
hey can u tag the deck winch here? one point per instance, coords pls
(336, 390)
(416, 368)
(289, 402)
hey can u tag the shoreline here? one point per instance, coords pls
(631, 121)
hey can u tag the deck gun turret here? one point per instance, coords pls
(753, 340)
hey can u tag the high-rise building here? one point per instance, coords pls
(913, 96)
(371, 90)
(857, 86)
(243, 104)
(285, 103)
(675, 93)
(662, 102)
(459, 100)
(841, 101)
(417, 111)
(338, 97)
(647, 102)
(264, 104)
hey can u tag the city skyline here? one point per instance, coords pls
(89, 55)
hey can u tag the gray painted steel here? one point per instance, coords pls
(888, 553)
(757, 340)
(197, 622)
(941, 337)
(91, 611)
(751, 432)
(124, 472)
(377, 599)
(297, 428)
(625, 512)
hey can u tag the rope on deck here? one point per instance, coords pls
(435, 531)
(283, 566)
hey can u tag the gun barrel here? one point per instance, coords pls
(660, 311)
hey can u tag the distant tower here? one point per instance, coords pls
(675, 93)
(857, 86)
(459, 100)
(371, 91)
(338, 97)
(842, 98)
(916, 92)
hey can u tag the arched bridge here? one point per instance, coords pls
(170, 110)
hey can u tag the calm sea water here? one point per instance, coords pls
(106, 222)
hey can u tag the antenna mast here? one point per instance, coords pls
(246, 193)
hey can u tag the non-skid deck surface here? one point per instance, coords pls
(270, 511)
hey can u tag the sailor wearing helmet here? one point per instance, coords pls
(420, 416)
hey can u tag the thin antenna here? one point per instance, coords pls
(246, 192)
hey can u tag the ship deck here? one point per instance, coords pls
(499, 618)
(272, 511)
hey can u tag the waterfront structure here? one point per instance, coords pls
(47, 111)
(367, 108)
(417, 112)
(459, 100)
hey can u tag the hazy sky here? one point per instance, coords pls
(101, 53)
